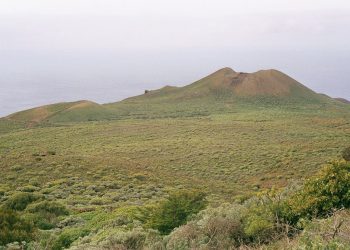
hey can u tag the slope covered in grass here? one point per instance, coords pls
(227, 91)
(60, 112)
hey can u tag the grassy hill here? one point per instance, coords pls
(226, 91)
(227, 84)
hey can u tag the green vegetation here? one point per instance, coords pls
(264, 219)
(346, 154)
(14, 228)
(20, 201)
(123, 177)
(175, 210)
(98, 167)
(328, 190)
(222, 92)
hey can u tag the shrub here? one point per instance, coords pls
(20, 201)
(329, 233)
(222, 226)
(29, 189)
(329, 190)
(13, 228)
(67, 237)
(53, 208)
(51, 152)
(44, 214)
(226, 227)
(184, 237)
(133, 239)
(41, 221)
(346, 154)
(259, 228)
(176, 210)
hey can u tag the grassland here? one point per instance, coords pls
(102, 169)
(101, 161)
(226, 155)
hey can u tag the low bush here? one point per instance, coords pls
(14, 228)
(329, 233)
(67, 237)
(41, 221)
(346, 154)
(45, 214)
(20, 201)
(176, 210)
(50, 207)
(133, 239)
(259, 227)
(321, 195)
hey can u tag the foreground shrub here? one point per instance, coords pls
(227, 227)
(324, 193)
(13, 228)
(176, 210)
(330, 233)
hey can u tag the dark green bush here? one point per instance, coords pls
(67, 237)
(176, 210)
(20, 201)
(14, 228)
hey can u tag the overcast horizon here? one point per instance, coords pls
(105, 51)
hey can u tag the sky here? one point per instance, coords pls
(107, 50)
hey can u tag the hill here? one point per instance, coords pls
(343, 100)
(61, 112)
(226, 91)
(228, 83)
(220, 92)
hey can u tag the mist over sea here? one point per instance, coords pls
(33, 78)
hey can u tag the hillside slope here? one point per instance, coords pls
(226, 91)
(343, 100)
(66, 111)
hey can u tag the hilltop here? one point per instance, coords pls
(222, 91)
(226, 83)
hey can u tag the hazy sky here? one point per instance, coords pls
(106, 50)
